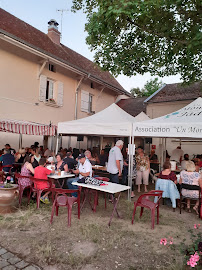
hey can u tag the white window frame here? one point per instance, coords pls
(50, 88)
(86, 102)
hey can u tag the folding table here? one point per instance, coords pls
(58, 177)
(111, 188)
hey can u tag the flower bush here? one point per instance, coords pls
(192, 252)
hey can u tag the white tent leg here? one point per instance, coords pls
(57, 142)
(20, 141)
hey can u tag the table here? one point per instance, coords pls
(99, 167)
(58, 177)
(111, 188)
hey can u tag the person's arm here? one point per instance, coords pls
(118, 166)
(30, 168)
(75, 171)
(173, 177)
(66, 168)
(85, 174)
(200, 182)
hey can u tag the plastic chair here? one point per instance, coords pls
(143, 201)
(191, 187)
(39, 191)
(22, 188)
(62, 199)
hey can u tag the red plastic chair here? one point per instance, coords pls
(62, 199)
(143, 201)
(39, 191)
(22, 188)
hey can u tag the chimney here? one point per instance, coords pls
(53, 32)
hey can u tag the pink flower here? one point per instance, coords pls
(163, 241)
(193, 260)
(171, 241)
(197, 226)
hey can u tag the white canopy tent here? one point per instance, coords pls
(112, 121)
(184, 123)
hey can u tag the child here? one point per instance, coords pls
(41, 172)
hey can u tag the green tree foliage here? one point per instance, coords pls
(149, 88)
(162, 37)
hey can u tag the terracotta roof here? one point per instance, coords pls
(27, 34)
(176, 92)
(133, 106)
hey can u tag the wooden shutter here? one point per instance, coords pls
(84, 101)
(42, 88)
(60, 94)
(51, 87)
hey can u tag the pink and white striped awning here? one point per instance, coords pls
(25, 127)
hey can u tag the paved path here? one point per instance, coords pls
(9, 261)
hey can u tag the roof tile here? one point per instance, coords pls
(32, 36)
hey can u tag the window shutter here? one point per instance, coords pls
(84, 101)
(42, 88)
(60, 94)
(50, 94)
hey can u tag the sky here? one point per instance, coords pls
(38, 12)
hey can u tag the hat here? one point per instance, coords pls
(81, 156)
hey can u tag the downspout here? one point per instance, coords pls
(76, 98)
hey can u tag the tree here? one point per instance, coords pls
(162, 37)
(136, 92)
(149, 88)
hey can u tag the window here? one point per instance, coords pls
(51, 92)
(49, 89)
(86, 102)
(51, 67)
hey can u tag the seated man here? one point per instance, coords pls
(70, 161)
(7, 159)
(84, 170)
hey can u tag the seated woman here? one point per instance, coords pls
(167, 173)
(20, 156)
(26, 170)
(60, 164)
(191, 177)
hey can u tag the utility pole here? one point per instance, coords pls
(62, 11)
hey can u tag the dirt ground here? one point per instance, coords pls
(90, 244)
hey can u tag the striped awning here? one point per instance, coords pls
(25, 127)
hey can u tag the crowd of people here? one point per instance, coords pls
(34, 159)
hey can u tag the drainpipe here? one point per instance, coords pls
(76, 98)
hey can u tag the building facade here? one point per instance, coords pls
(46, 82)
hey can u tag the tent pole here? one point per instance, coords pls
(130, 165)
(101, 143)
(20, 140)
(57, 142)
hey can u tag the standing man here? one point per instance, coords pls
(177, 154)
(115, 162)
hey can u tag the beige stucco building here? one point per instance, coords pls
(46, 82)
(168, 99)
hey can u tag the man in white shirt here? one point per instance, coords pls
(177, 154)
(84, 170)
(115, 162)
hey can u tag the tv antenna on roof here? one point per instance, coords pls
(62, 11)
